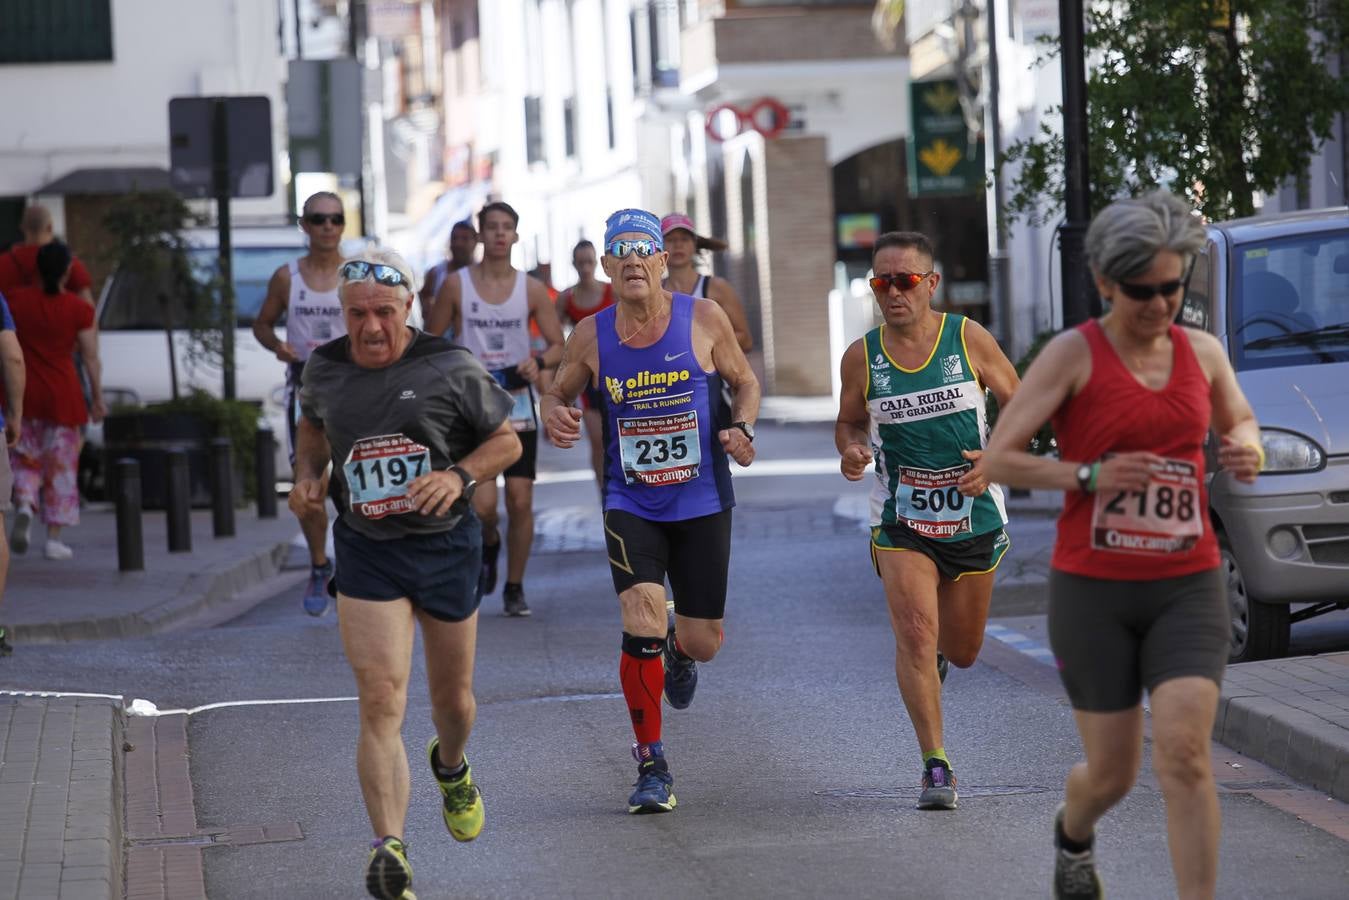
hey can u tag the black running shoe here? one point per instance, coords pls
(487, 581)
(681, 675)
(939, 786)
(513, 600)
(1075, 875)
(6, 648)
(943, 666)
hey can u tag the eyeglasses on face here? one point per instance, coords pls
(905, 281)
(317, 219)
(1143, 292)
(622, 248)
(360, 270)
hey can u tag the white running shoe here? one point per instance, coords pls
(57, 550)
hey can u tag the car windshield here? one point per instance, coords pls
(1290, 301)
(130, 305)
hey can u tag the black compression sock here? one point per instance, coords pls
(1067, 843)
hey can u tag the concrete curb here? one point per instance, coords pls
(212, 587)
(1299, 743)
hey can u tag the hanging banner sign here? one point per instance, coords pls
(944, 158)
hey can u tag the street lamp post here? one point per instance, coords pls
(1077, 298)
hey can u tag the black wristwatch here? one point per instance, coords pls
(470, 483)
(745, 427)
(1084, 478)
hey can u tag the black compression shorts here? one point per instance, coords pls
(1112, 639)
(694, 553)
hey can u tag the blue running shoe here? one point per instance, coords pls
(939, 786)
(316, 597)
(654, 788)
(487, 578)
(681, 674)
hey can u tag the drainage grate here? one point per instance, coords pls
(908, 793)
(185, 840)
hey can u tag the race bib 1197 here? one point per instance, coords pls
(378, 472)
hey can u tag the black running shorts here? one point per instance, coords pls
(695, 554)
(437, 572)
(524, 467)
(1112, 639)
(977, 555)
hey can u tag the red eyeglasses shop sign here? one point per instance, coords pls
(944, 158)
(766, 115)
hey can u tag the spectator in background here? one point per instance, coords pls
(11, 363)
(51, 323)
(18, 264)
(463, 245)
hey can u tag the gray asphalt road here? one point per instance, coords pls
(795, 768)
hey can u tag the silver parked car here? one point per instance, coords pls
(1275, 290)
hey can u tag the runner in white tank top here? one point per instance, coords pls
(489, 305)
(305, 292)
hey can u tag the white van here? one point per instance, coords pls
(134, 346)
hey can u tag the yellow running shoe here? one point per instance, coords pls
(388, 876)
(462, 801)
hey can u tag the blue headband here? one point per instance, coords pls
(638, 220)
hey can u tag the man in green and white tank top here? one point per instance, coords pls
(913, 402)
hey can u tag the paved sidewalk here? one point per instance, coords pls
(62, 758)
(86, 597)
(60, 799)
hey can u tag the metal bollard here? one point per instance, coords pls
(178, 500)
(130, 546)
(264, 468)
(222, 487)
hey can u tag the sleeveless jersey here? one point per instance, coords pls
(496, 333)
(1162, 532)
(662, 458)
(920, 421)
(576, 313)
(313, 318)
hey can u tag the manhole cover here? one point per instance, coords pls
(908, 793)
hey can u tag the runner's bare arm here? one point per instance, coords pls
(428, 297)
(852, 428)
(545, 315)
(560, 306)
(312, 455)
(435, 492)
(1060, 370)
(730, 363)
(445, 310)
(723, 292)
(1233, 419)
(580, 360)
(273, 305)
(11, 364)
(992, 367)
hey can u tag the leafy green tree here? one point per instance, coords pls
(1215, 99)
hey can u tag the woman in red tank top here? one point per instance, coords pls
(585, 298)
(1135, 599)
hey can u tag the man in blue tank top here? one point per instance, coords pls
(660, 360)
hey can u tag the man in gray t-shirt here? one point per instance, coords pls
(410, 423)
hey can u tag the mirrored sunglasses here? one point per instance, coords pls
(621, 249)
(317, 219)
(905, 281)
(1142, 292)
(360, 270)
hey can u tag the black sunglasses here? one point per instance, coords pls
(1143, 292)
(905, 281)
(360, 270)
(319, 218)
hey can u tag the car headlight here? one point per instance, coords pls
(1288, 452)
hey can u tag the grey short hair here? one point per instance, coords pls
(382, 256)
(1126, 236)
